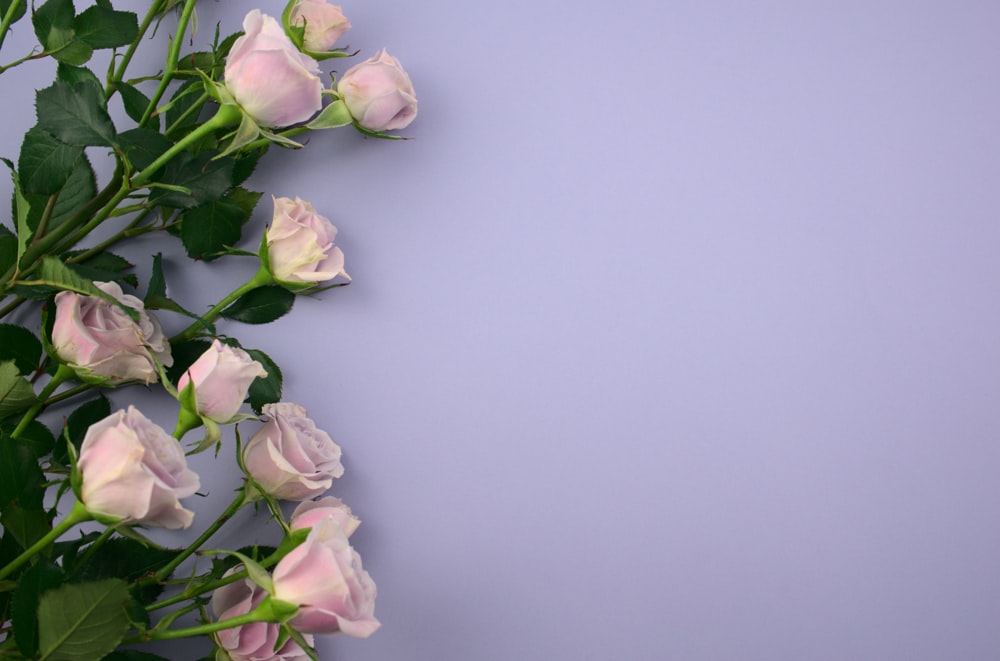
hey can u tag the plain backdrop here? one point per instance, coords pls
(673, 332)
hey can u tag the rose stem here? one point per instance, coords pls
(268, 611)
(77, 515)
(63, 373)
(168, 569)
(262, 278)
(154, 9)
(171, 65)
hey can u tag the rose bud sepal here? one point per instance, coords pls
(297, 32)
(334, 116)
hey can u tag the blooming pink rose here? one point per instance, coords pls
(323, 576)
(254, 641)
(289, 458)
(310, 512)
(102, 343)
(379, 94)
(132, 470)
(300, 246)
(324, 23)
(222, 375)
(271, 80)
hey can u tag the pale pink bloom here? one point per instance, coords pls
(221, 376)
(324, 23)
(323, 576)
(269, 78)
(289, 458)
(300, 246)
(134, 471)
(310, 512)
(379, 94)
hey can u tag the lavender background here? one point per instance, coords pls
(673, 332)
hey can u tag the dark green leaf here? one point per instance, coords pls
(135, 103)
(157, 282)
(71, 74)
(105, 267)
(45, 162)
(267, 389)
(53, 23)
(53, 273)
(207, 180)
(208, 229)
(84, 416)
(20, 345)
(142, 146)
(27, 526)
(77, 191)
(100, 27)
(36, 436)
(16, 394)
(246, 199)
(261, 306)
(8, 249)
(127, 559)
(84, 621)
(36, 581)
(75, 114)
(185, 353)
(181, 102)
(20, 476)
(246, 163)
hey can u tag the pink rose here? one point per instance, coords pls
(269, 78)
(379, 94)
(134, 471)
(323, 576)
(289, 458)
(300, 248)
(102, 343)
(310, 512)
(324, 23)
(254, 641)
(222, 375)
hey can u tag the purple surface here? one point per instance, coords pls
(673, 332)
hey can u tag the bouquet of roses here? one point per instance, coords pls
(80, 577)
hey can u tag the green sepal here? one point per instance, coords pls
(247, 133)
(255, 571)
(334, 115)
(377, 134)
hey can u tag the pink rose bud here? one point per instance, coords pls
(310, 512)
(289, 458)
(221, 376)
(254, 641)
(323, 576)
(269, 78)
(102, 343)
(300, 248)
(324, 23)
(134, 471)
(379, 94)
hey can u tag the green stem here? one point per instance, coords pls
(186, 421)
(92, 549)
(8, 18)
(22, 60)
(173, 55)
(154, 9)
(62, 374)
(66, 394)
(13, 305)
(78, 514)
(43, 224)
(270, 610)
(262, 278)
(234, 507)
(129, 231)
(194, 108)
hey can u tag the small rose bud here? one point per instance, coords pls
(254, 641)
(221, 376)
(269, 78)
(310, 512)
(289, 458)
(379, 93)
(323, 576)
(300, 250)
(132, 470)
(324, 23)
(101, 342)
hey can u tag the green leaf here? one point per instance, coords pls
(20, 476)
(82, 622)
(129, 560)
(16, 394)
(71, 74)
(36, 436)
(135, 102)
(207, 179)
(53, 23)
(264, 389)
(100, 27)
(142, 146)
(54, 273)
(183, 100)
(21, 209)
(79, 189)
(27, 526)
(208, 229)
(246, 199)
(8, 249)
(261, 306)
(105, 267)
(75, 114)
(20, 345)
(45, 163)
(37, 580)
(84, 416)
